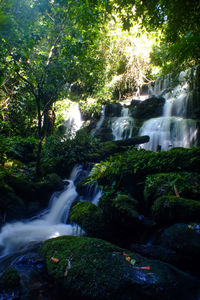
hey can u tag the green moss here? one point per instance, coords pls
(89, 268)
(88, 216)
(119, 212)
(10, 279)
(172, 209)
(187, 185)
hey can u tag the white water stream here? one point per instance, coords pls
(173, 128)
(73, 121)
(122, 127)
(15, 236)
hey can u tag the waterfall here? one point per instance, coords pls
(173, 128)
(14, 236)
(74, 120)
(100, 122)
(51, 222)
(122, 127)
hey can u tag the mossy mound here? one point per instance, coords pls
(184, 239)
(157, 185)
(48, 185)
(88, 268)
(88, 216)
(9, 279)
(172, 209)
(119, 212)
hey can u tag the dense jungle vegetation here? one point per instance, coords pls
(58, 53)
(53, 51)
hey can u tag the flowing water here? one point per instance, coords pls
(122, 127)
(173, 128)
(74, 121)
(48, 224)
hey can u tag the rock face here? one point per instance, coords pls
(147, 109)
(88, 268)
(184, 239)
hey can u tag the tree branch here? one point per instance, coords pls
(28, 82)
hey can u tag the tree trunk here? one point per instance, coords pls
(39, 150)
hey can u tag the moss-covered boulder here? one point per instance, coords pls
(88, 268)
(185, 183)
(12, 203)
(9, 279)
(172, 209)
(184, 239)
(48, 185)
(119, 212)
(88, 216)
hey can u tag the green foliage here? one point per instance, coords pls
(187, 185)
(60, 154)
(140, 163)
(90, 108)
(17, 148)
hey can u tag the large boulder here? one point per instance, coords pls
(172, 209)
(120, 213)
(149, 108)
(113, 110)
(88, 268)
(184, 239)
(88, 216)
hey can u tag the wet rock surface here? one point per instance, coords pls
(90, 268)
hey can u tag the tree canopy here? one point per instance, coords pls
(99, 48)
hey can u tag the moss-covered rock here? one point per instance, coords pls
(88, 216)
(187, 184)
(10, 279)
(119, 213)
(88, 268)
(184, 239)
(48, 185)
(172, 209)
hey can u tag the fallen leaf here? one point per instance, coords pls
(128, 258)
(133, 261)
(143, 268)
(54, 259)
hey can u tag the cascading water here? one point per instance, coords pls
(100, 122)
(173, 128)
(122, 127)
(15, 236)
(74, 120)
